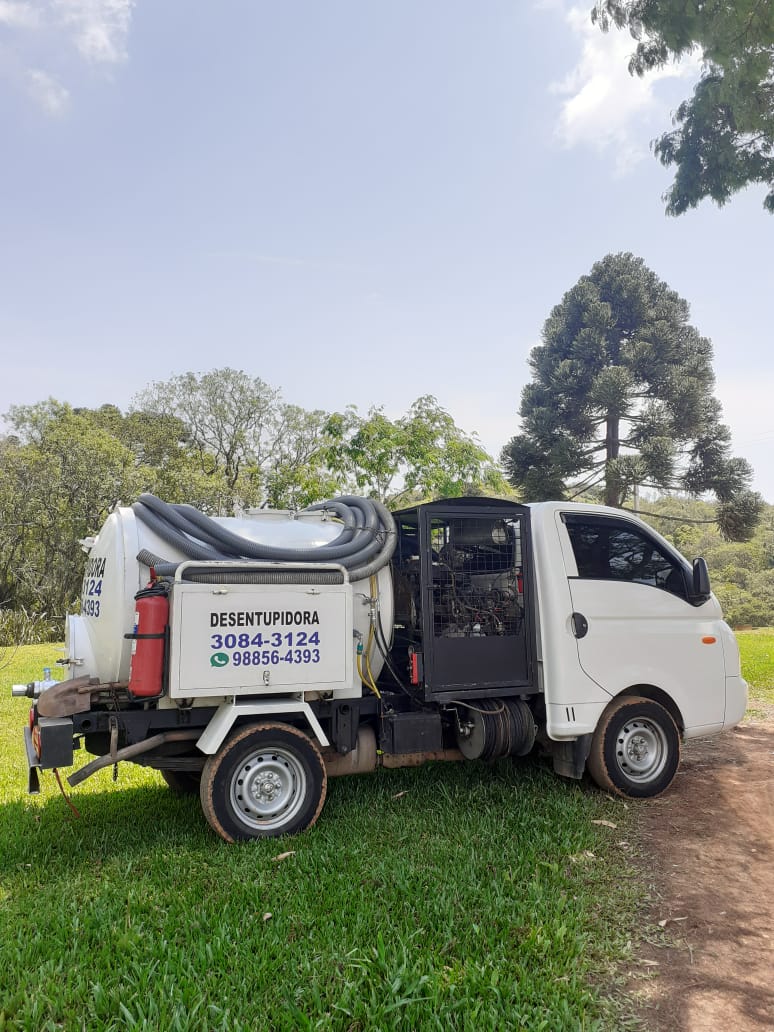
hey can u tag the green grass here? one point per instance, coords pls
(447, 897)
(757, 651)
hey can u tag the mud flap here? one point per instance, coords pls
(570, 757)
(33, 780)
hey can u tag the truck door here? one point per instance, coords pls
(633, 622)
(476, 622)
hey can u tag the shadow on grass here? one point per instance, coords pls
(127, 822)
(115, 823)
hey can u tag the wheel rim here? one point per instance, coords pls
(642, 749)
(268, 788)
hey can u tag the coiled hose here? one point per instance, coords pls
(366, 542)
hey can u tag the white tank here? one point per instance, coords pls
(95, 641)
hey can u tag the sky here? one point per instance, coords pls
(358, 202)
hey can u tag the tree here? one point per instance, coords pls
(622, 396)
(156, 438)
(231, 418)
(62, 469)
(442, 461)
(724, 135)
(60, 476)
(423, 454)
(299, 473)
(742, 574)
(258, 449)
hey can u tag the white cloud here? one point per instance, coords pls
(17, 14)
(99, 28)
(49, 94)
(50, 41)
(606, 108)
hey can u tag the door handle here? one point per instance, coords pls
(580, 625)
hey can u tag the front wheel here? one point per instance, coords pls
(636, 748)
(266, 780)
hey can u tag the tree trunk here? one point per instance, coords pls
(613, 487)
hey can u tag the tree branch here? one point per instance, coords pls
(661, 516)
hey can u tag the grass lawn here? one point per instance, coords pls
(447, 897)
(757, 649)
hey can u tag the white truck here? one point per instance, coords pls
(249, 659)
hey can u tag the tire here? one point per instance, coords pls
(635, 750)
(266, 780)
(182, 782)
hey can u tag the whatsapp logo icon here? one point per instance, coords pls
(219, 659)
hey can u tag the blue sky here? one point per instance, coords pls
(359, 202)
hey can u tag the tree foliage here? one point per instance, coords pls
(61, 474)
(742, 573)
(621, 396)
(219, 441)
(723, 138)
(421, 455)
(232, 419)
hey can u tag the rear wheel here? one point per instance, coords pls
(266, 780)
(636, 748)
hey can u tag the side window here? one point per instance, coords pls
(605, 549)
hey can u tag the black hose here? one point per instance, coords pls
(381, 644)
(366, 542)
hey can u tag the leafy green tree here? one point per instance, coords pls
(29, 422)
(231, 419)
(621, 395)
(25, 476)
(423, 454)
(299, 474)
(366, 452)
(59, 478)
(443, 461)
(742, 573)
(236, 431)
(162, 446)
(156, 438)
(724, 135)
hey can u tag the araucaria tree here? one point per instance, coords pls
(621, 395)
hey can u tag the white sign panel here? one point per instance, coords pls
(258, 639)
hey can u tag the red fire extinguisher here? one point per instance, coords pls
(149, 641)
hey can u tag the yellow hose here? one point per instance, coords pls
(368, 677)
(367, 681)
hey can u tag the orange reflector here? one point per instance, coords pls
(414, 667)
(709, 640)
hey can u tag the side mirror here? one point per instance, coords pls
(701, 580)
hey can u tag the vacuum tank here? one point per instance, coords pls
(154, 535)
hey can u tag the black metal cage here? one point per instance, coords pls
(463, 598)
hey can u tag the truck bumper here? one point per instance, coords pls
(736, 700)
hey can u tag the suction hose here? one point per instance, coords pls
(366, 542)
